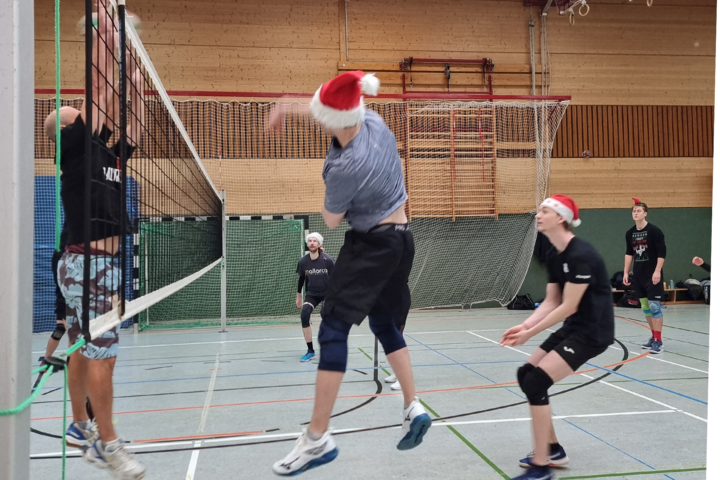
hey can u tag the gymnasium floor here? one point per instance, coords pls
(242, 397)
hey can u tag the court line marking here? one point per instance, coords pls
(665, 361)
(255, 340)
(267, 402)
(584, 374)
(190, 475)
(140, 445)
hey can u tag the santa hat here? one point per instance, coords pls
(316, 236)
(565, 207)
(339, 102)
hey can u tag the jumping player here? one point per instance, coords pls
(90, 369)
(645, 251)
(578, 292)
(314, 270)
(364, 184)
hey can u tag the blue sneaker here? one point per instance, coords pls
(536, 473)
(648, 345)
(657, 347)
(416, 423)
(307, 357)
(79, 437)
(558, 458)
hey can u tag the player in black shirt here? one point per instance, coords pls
(578, 292)
(90, 369)
(314, 270)
(701, 263)
(645, 251)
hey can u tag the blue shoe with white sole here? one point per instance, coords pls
(416, 423)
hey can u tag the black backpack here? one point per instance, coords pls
(522, 302)
(629, 300)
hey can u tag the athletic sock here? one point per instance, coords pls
(657, 336)
(310, 347)
(314, 436)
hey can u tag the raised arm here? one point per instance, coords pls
(103, 71)
(136, 98)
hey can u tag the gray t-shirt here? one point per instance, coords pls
(365, 178)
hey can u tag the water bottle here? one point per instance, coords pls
(672, 284)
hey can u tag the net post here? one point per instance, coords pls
(223, 267)
(16, 241)
(122, 71)
(375, 361)
(85, 320)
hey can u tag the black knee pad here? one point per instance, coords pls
(535, 385)
(522, 371)
(305, 313)
(387, 333)
(59, 331)
(332, 338)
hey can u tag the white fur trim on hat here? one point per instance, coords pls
(316, 236)
(370, 84)
(333, 118)
(563, 210)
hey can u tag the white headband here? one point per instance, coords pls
(562, 210)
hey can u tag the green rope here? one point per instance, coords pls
(30, 399)
(57, 126)
(50, 369)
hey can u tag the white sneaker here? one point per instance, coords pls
(113, 456)
(395, 386)
(391, 379)
(416, 423)
(307, 454)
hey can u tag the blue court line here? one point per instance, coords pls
(613, 446)
(291, 372)
(649, 384)
(464, 366)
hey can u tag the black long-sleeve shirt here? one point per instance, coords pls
(645, 246)
(316, 273)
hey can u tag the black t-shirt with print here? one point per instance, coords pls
(315, 274)
(581, 263)
(645, 246)
(106, 173)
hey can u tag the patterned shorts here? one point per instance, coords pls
(104, 286)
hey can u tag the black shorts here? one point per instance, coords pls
(572, 348)
(644, 288)
(314, 300)
(371, 275)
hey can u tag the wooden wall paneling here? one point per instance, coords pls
(693, 124)
(598, 129)
(684, 133)
(708, 131)
(671, 182)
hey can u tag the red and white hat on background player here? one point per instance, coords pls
(565, 207)
(339, 102)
